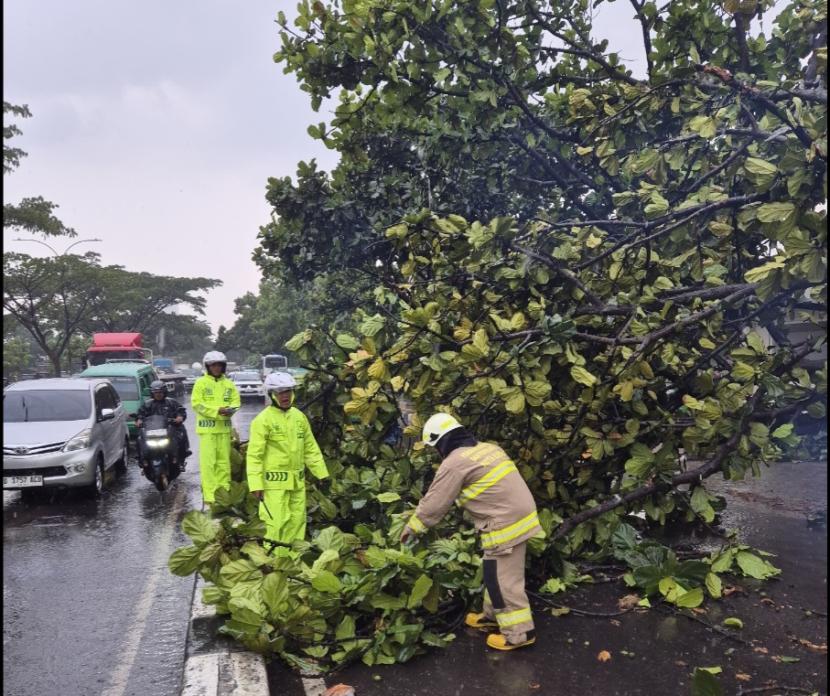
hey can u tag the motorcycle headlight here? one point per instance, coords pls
(79, 442)
(162, 442)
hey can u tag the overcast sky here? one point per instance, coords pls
(156, 125)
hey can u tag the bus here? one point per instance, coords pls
(272, 363)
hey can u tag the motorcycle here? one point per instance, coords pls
(157, 449)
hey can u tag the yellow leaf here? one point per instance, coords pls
(581, 375)
(377, 370)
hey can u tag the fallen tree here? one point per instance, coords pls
(617, 324)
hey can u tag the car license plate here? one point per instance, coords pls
(22, 481)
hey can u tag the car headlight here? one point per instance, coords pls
(79, 442)
(163, 442)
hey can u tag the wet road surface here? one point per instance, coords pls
(89, 606)
(662, 649)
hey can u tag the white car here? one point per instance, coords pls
(249, 384)
(62, 433)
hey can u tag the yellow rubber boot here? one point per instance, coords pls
(480, 621)
(498, 642)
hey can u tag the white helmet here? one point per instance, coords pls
(214, 356)
(437, 426)
(279, 381)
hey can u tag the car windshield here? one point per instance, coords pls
(43, 405)
(127, 387)
(273, 361)
(246, 377)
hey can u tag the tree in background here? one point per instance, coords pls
(281, 308)
(33, 214)
(59, 298)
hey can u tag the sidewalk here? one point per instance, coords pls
(215, 665)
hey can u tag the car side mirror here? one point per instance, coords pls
(107, 414)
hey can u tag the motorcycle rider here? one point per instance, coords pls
(215, 399)
(161, 405)
(280, 448)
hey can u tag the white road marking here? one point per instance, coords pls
(129, 647)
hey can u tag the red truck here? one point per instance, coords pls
(109, 347)
(117, 346)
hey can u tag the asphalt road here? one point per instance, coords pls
(652, 653)
(89, 607)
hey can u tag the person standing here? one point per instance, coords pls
(281, 447)
(481, 478)
(215, 399)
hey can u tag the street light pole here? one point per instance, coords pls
(52, 249)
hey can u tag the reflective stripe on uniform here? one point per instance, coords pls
(515, 530)
(492, 477)
(416, 525)
(511, 618)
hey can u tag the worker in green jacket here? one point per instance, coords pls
(215, 399)
(280, 448)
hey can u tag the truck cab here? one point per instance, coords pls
(107, 347)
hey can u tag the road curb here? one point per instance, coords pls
(214, 665)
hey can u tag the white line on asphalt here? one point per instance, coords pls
(129, 647)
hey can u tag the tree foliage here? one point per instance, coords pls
(601, 285)
(60, 298)
(33, 214)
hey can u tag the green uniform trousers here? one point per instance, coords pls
(284, 514)
(214, 462)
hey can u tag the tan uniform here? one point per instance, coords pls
(487, 484)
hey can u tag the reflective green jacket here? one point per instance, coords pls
(280, 447)
(209, 395)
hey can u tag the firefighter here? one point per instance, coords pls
(482, 479)
(215, 399)
(281, 447)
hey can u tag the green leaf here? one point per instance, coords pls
(346, 628)
(184, 561)
(388, 497)
(274, 592)
(692, 598)
(419, 590)
(783, 431)
(761, 167)
(775, 212)
(754, 566)
(714, 585)
(199, 527)
(347, 341)
(326, 581)
(240, 571)
(700, 504)
(704, 683)
(733, 622)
